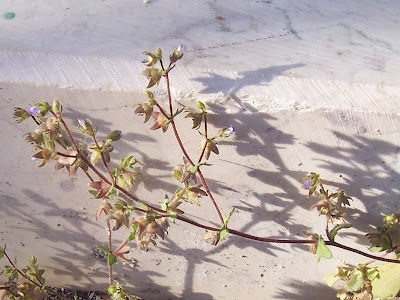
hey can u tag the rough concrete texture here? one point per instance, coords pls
(309, 86)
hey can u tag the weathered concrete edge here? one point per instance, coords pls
(269, 92)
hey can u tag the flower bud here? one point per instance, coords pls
(114, 136)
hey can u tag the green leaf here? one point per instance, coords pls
(331, 279)
(172, 216)
(93, 192)
(194, 168)
(143, 206)
(387, 284)
(226, 218)
(164, 204)
(201, 106)
(372, 273)
(223, 234)
(355, 283)
(103, 248)
(375, 249)
(334, 231)
(111, 259)
(2, 252)
(132, 236)
(322, 250)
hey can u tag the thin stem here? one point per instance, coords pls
(203, 181)
(162, 110)
(374, 260)
(36, 121)
(88, 176)
(206, 135)
(110, 270)
(66, 155)
(335, 244)
(19, 271)
(40, 285)
(234, 232)
(327, 229)
(179, 197)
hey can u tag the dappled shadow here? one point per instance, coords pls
(72, 245)
(368, 171)
(298, 290)
(214, 83)
(258, 144)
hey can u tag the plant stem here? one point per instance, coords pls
(162, 110)
(40, 285)
(203, 181)
(234, 232)
(110, 270)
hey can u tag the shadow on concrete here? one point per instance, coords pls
(368, 172)
(256, 137)
(214, 83)
(72, 262)
(298, 290)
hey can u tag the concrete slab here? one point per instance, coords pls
(310, 86)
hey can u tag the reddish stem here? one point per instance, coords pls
(203, 181)
(234, 232)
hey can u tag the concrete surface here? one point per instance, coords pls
(309, 85)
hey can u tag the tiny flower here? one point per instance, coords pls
(226, 132)
(230, 130)
(33, 110)
(307, 184)
(150, 60)
(177, 53)
(181, 48)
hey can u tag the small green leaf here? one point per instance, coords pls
(322, 250)
(2, 252)
(355, 283)
(143, 206)
(93, 192)
(223, 234)
(331, 279)
(111, 259)
(164, 204)
(172, 216)
(226, 218)
(375, 249)
(334, 231)
(103, 248)
(194, 168)
(387, 284)
(372, 273)
(132, 236)
(201, 106)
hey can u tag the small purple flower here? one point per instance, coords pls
(307, 184)
(181, 48)
(33, 110)
(230, 130)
